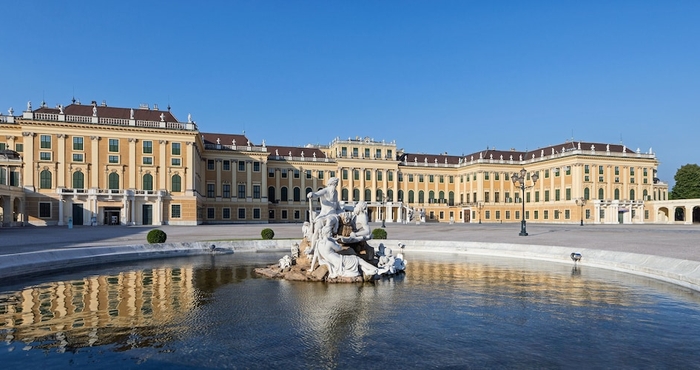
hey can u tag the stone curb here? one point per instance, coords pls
(681, 272)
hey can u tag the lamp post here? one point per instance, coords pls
(383, 210)
(479, 206)
(520, 178)
(581, 202)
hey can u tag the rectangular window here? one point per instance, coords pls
(497, 197)
(631, 171)
(617, 170)
(556, 214)
(546, 173)
(498, 215)
(297, 215)
(421, 178)
(546, 214)
(226, 213)
(345, 174)
(211, 212)
(487, 215)
(486, 175)
(600, 170)
(211, 165)
(113, 159)
(486, 196)
(2, 146)
(568, 170)
(568, 194)
(241, 166)
(517, 215)
(537, 196)
(588, 214)
(380, 176)
(308, 174)
(320, 175)
(227, 190)
(537, 215)
(147, 147)
(77, 143)
(211, 190)
(284, 174)
(527, 197)
(586, 178)
(410, 177)
(284, 214)
(389, 154)
(343, 152)
(19, 147)
(507, 215)
(256, 213)
(557, 195)
(356, 175)
(175, 211)
(44, 209)
(241, 191)
(45, 142)
(256, 166)
(241, 213)
(45, 156)
(368, 175)
(378, 153)
(355, 153)
(567, 214)
(226, 165)
(271, 172)
(148, 161)
(586, 169)
(256, 191)
(546, 195)
(175, 162)
(296, 174)
(175, 149)
(114, 145)
(366, 152)
(78, 157)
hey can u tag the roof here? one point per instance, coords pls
(224, 139)
(111, 112)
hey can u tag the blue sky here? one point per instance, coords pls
(436, 76)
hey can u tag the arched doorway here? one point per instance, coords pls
(679, 214)
(696, 214)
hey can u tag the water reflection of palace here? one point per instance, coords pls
(98, 310)
(566, 289)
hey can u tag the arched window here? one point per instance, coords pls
(355, 195)
(389, 195)
(645, 194)
(617, 194)
(308, 190)
(176, 183)
(45, 179)
(344, 195)
(147, 182)
(378, 197)
(113, 181)
(297, 194)
(78, 180)
(283, 194)
(421, 196)
(368, 195)
(271, 194)
(451, 198)
(586, 193)
(601, 194)
(631, 194)
(441, 196)
(411, 198)
(431, 197)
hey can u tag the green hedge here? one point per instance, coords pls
(378, 234)
(156, 236)
(267, 234)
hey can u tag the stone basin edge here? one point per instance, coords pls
(684, 273)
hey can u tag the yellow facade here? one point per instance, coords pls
(95, 164)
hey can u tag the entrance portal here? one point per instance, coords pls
(147, 214)
(78, 212)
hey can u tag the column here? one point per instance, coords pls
(302, 192)
(263, 190)
(351, 183)
(278, 185)
(61, 160)
(95, 154)
(363, 186)
(60, 210)
(133, 165)
(290, 188)
(29, 168)
(219, 163)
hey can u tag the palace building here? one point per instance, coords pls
(95, 164)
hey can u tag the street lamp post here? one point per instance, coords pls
(581, 202)
(479, 206)
(520, 178)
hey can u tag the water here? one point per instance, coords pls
(447, 311)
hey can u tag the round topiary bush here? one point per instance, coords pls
(378, 234)
(267, 234)
(156, 236)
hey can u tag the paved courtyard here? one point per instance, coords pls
(676, 241)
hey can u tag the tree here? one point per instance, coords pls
(687, 183)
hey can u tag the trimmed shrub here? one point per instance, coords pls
(267, 234)
(156, 236)
(378, 234)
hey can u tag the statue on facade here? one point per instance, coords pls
(29, 106)
(131, 113)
